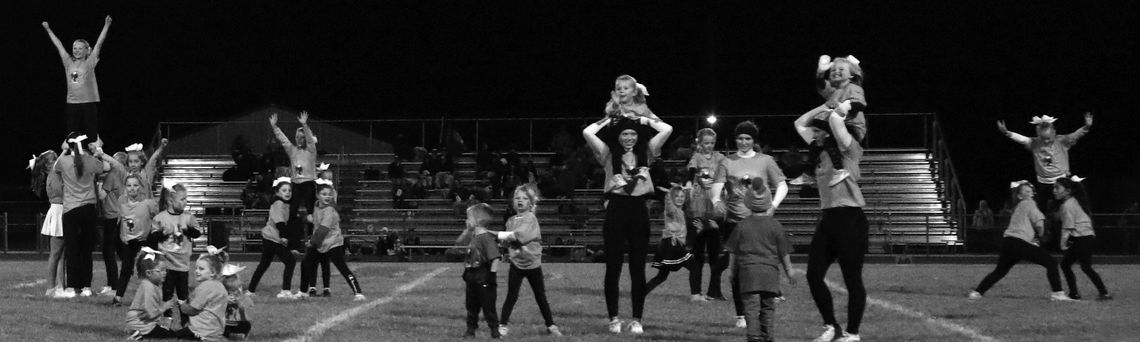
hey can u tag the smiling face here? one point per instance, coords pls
(203, 271)
(300, 137)
(840, 72)
(678, 198)
(628, 138)
(744, 143)
(285, 191)
(325, 196)
(80, 49)
(625, 89)
(134, 187)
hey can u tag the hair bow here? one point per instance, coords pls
(643, 89)
(134, 147)
(280, 180)
(852, 59)
(231, 269)
(32, 162)
(323, 167)
(324, 181)
(1037, 120)
(78, 139)
(213, 250)
(150, 253)
(168, 183)
(1076, 179)
(1017, 183)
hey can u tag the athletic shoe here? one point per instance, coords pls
(615, 326)
(974, 295)
(51, 292)
(741, 323)
(802, 180)
(359, 297)
(504, 330)
(1075, 296)
(552, 330)
(698, 298)
(469, 334)
(65, 293)
(1104, 296)
(107, 291)
(285, 294)
(717, 298)
(301, 295)
(635, 328)
(827, 335)
(839, 176)
(86, 292)
(117, 301)
(1060, 296)
(847, 338)
(252, 294)
(326, 293)
(313, 292)
(779, 299)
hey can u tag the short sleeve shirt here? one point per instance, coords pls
(177, 249)
(148, 299)
(278, 213)
(136, 218)
(81, 84)
(328, 217)
(1051, 160)
(78, 190)
(210, 297)
(482, 250)
(759, 240)
(1021, 223)
(761, 173)
(847, 192)
(1074, 217)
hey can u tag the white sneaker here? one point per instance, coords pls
(51, 292)
(552, 330)
(86, 292)
(802, 180)
(65, 293)
(827, 335)
(107, 291)
(615, 326)
(847, 338)
(779, 300)
(301, 295)
(635, 327)
(698, 298)
(503, 330)
(741, 323)
(1060, 296)
(839, 176)
(359, 297)
(974, 295)
(285, 294)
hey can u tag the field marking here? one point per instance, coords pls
(315, 332)
(37, 282)
(974, 335)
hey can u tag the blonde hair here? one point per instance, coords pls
(855, 69)
(481, 213)
(530, 193)
(672, 210)
(638, 96)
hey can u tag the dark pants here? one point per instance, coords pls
(83, 118)
(841, 234)
(759, 312)
(127, 252)
(1049, 206)
(336, 256)
(110, 249)
(176, 281)
(1014, 250)
(1081, 251)
(706, 246)
(626, 230)
(161, 333)
(663, 275)
(737, 299)
(79, 236)
(481, 293)
(239, 327)
(537, 285)
(270, 249)
(304, 194)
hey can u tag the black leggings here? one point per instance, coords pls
(127, 252)
(111, 247)
(706, 246)
(537, 285)
(1081, 251)
(840, 235)
(270, 249)
(336, 255)
(79, 236)
(83, 118)
(734, 283)
(663, 274)
(176, 281)
(626, 230)
(1013, 250)
(304, 194)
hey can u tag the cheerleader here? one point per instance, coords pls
(673, 251)
(1077, 235)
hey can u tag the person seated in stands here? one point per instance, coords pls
(984, 216)
(386, 243)
(400, 188)
(484, 160)
(396, 169)
(444, 169)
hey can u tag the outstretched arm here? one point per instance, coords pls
(1017, 138)
(152, 163)
(802, 127)
(310, 138)
(102, 37)
(55, 41)
(663, 132)
(1080, 132)
(595, 143)
(281, 137)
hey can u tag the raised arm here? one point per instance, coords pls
(839, 131)
(1080, 132)
(102, 37)
(152, 163)
(310, 138)
(1017, 138)
(596, 144)
(55, 41)
(802, 127)
(281, 137)
(663, 132)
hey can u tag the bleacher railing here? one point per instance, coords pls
(947, 175)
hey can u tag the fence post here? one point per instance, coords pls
(5, 232)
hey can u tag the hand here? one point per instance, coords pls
(843, 108)
(791, 280)
(107, 20)
(613, 93)
(45, 25)
(231, 298)
(1001, 127)
(824, 63)
(284, 241)
(1088, 119)
(273, 119)
(309, 218)
(165, 142)
(643, 120)
(718, 207)
(304, 117)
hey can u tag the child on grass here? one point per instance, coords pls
(1077, 235)
(147, 307)
(479, 269)
(238, 302)
(206, 308)
(758, 248)
(327, 242)
(673, 251)
(173, 231)
(524, 244)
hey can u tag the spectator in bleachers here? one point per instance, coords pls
(484, 160)
(386, 242)
(445, 169)
(396, 169)
(402, 148)
(984, 216)
(245, 163)
(793, 164)
(683, 147)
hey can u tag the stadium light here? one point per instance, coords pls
(711, 119)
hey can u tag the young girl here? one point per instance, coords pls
(136, 216)
(274, 241)
(238, 302)
(758, 248)
(523, 239)
(704, 235)
(207, 306)
(1050, 154)
(173, 231)
(110, 188)
(324, 176)
(303, 161)
(147, 307)
(82, 88)
(1021, 241)
(327, 241)
(840, 83)
(138, 163)
(77, 172)
(672, 253)
(628, 99)
(49, 184)
(1077, 235)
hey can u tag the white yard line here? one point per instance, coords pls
(314, 333)
(974, 335)
(37, 282)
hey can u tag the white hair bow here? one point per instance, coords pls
(78, 139)
(150, 253)
(134, 147)
(1017, 183)
(213, 250)
(852, 59)
(32, 162)
(280, 180)
(324, 181)
(643, 89)
(168, 183)
(323, 167)
(1037, 120)
(1076, 179)
(231, 269)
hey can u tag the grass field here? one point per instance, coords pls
(908, 303)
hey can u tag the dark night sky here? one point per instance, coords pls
(972, 64)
